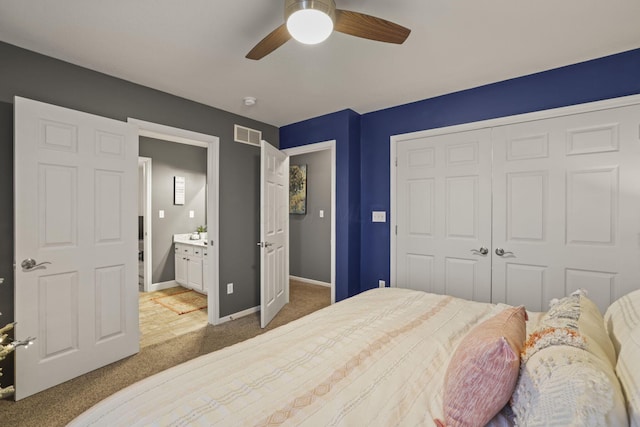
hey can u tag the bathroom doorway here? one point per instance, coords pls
(162, 216)
(174, 300)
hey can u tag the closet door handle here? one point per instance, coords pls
(30, 264)
(481, 251)
(502, 252)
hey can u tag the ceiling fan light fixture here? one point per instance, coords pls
(302, 18)
(310, 21)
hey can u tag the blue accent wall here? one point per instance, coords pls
(344, 128)
(609, 77)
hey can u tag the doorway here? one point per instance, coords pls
(211, 255)
(145, 236)
(316, 215)
(171, 304)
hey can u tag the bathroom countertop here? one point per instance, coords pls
(185, 240)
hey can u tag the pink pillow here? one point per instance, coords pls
(483, 371)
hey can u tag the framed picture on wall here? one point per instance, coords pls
(298, 189)
(178, 190)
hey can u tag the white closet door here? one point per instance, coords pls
(566, 208)
(444, 214)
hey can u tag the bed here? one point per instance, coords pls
(385, 358)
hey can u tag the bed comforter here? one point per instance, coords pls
(375, 359)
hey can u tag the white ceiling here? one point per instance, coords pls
(196, 48)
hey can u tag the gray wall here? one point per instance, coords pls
(6, 228)
(38, 77)
(310, 235)
(170, 159)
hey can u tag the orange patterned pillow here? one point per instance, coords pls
(483, 371)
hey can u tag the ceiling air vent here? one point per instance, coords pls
(247, 135)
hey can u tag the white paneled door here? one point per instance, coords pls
(444, 214)
(76, 243)
(566, 194)
(556, 201)
(274, 232)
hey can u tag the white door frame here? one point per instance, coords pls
(212, 143)
(501, 121)
(312, 148)
(146, 162)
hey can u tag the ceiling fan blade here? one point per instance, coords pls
(369, 27)
(271, 42)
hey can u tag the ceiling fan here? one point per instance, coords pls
(312, 21)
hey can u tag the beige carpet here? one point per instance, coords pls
(59, 405)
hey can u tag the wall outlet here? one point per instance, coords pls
(229, 288)
(160, 213)
(381, 284)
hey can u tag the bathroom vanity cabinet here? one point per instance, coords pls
(190, 265)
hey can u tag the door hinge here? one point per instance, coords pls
(396, 230)
(396, 162)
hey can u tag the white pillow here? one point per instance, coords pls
(567, 371)
(567, 386)
(622, 317)
(628, 370)
(577, 312)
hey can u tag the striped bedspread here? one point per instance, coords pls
(377, 359)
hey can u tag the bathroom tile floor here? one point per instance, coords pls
(159, 324)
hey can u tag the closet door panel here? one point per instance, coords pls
(566, 199)
(443, 192)
(523, 226)
(526, 205)
(527, 283)
(593, 190)
(461, 278)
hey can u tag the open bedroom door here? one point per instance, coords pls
(76, 285)
(274, 232)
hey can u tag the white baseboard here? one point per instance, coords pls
(257, 308)
(239, 314)
(163, 285)
(310, 281)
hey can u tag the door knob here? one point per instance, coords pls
(23, 343)
(481, 251)
(30, 264)
(502, 252)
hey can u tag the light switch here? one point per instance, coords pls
(378, 216)
(160, 213)
(321, 213)
(192, 214)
